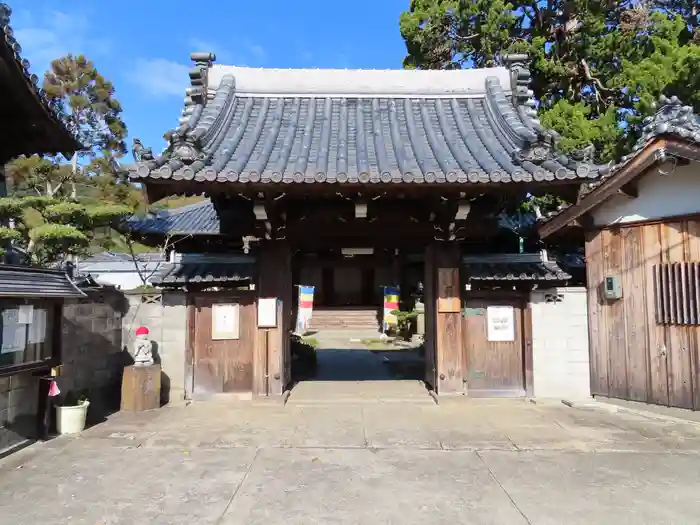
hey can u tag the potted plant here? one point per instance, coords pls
(71, 413)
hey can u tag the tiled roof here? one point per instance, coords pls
(20, 281)
(513, 267)
(199, 218)
(57, 138)
(243, 125)
(203, 269)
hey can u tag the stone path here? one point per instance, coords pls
(477, 462)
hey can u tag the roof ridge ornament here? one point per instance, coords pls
(544, 147)
(520, 77)
(184, 145)
(199, 76)
(671, 118)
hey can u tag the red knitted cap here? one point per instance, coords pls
(142, 330)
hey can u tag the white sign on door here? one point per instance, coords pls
(500, 322)
(225, 321)
(267, 312)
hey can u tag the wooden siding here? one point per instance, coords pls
(633, 357)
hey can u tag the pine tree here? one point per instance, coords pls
(598, 66)
(62, 207)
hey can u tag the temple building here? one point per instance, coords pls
(350, 181)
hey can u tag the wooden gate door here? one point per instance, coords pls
(224, 335)
(493, 346)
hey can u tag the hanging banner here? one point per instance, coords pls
(305, 308)
(391, 303)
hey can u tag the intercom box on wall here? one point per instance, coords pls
(612, 287)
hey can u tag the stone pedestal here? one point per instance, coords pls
(140, 388)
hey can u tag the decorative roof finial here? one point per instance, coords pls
(520, 76)
(198, 76)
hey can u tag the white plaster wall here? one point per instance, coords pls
(122, 280)
(677, 193)
(560, 353)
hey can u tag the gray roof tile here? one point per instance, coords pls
(203, 273)
(20, 281)
(513, 267)
(245, 125)
(199, 218)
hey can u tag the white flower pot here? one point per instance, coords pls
(71, 419)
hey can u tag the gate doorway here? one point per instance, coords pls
(224, 336)
(496, 363)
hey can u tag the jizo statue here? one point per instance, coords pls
(143, 348)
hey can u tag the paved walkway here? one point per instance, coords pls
(478, 462)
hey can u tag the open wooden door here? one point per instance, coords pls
(224, 335)
(494, 346)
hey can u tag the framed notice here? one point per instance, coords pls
(500, 323)
(267, 312)
(225, 321)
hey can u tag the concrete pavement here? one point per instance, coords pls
(473, 462)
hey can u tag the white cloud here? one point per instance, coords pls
(50, 35)
(159, 77)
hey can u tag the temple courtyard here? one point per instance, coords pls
(374, 459)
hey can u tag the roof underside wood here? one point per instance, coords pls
(24, 108)
(313, 126)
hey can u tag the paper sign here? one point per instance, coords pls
(14, 335)
(38, 327)
(500, 321)
(267, 312)
(224, 321)
(26, 314)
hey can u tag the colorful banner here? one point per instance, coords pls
(304, 308)
(391, 303)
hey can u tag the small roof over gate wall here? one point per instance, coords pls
(251, 126)
(531, 267)
(205, 269)
(22, 281)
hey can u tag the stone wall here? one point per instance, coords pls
(19, 397)
(560, 354)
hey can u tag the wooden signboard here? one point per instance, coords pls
(449, 305)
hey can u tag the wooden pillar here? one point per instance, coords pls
(429, 303)
(272, 357)
(448, 322)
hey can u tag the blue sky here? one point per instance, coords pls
(144, 47)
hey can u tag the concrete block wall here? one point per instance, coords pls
(165, 316)
(19, 397)
(93, 357)
(561, 366)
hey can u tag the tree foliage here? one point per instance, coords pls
(62, 207)
(598, 66)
